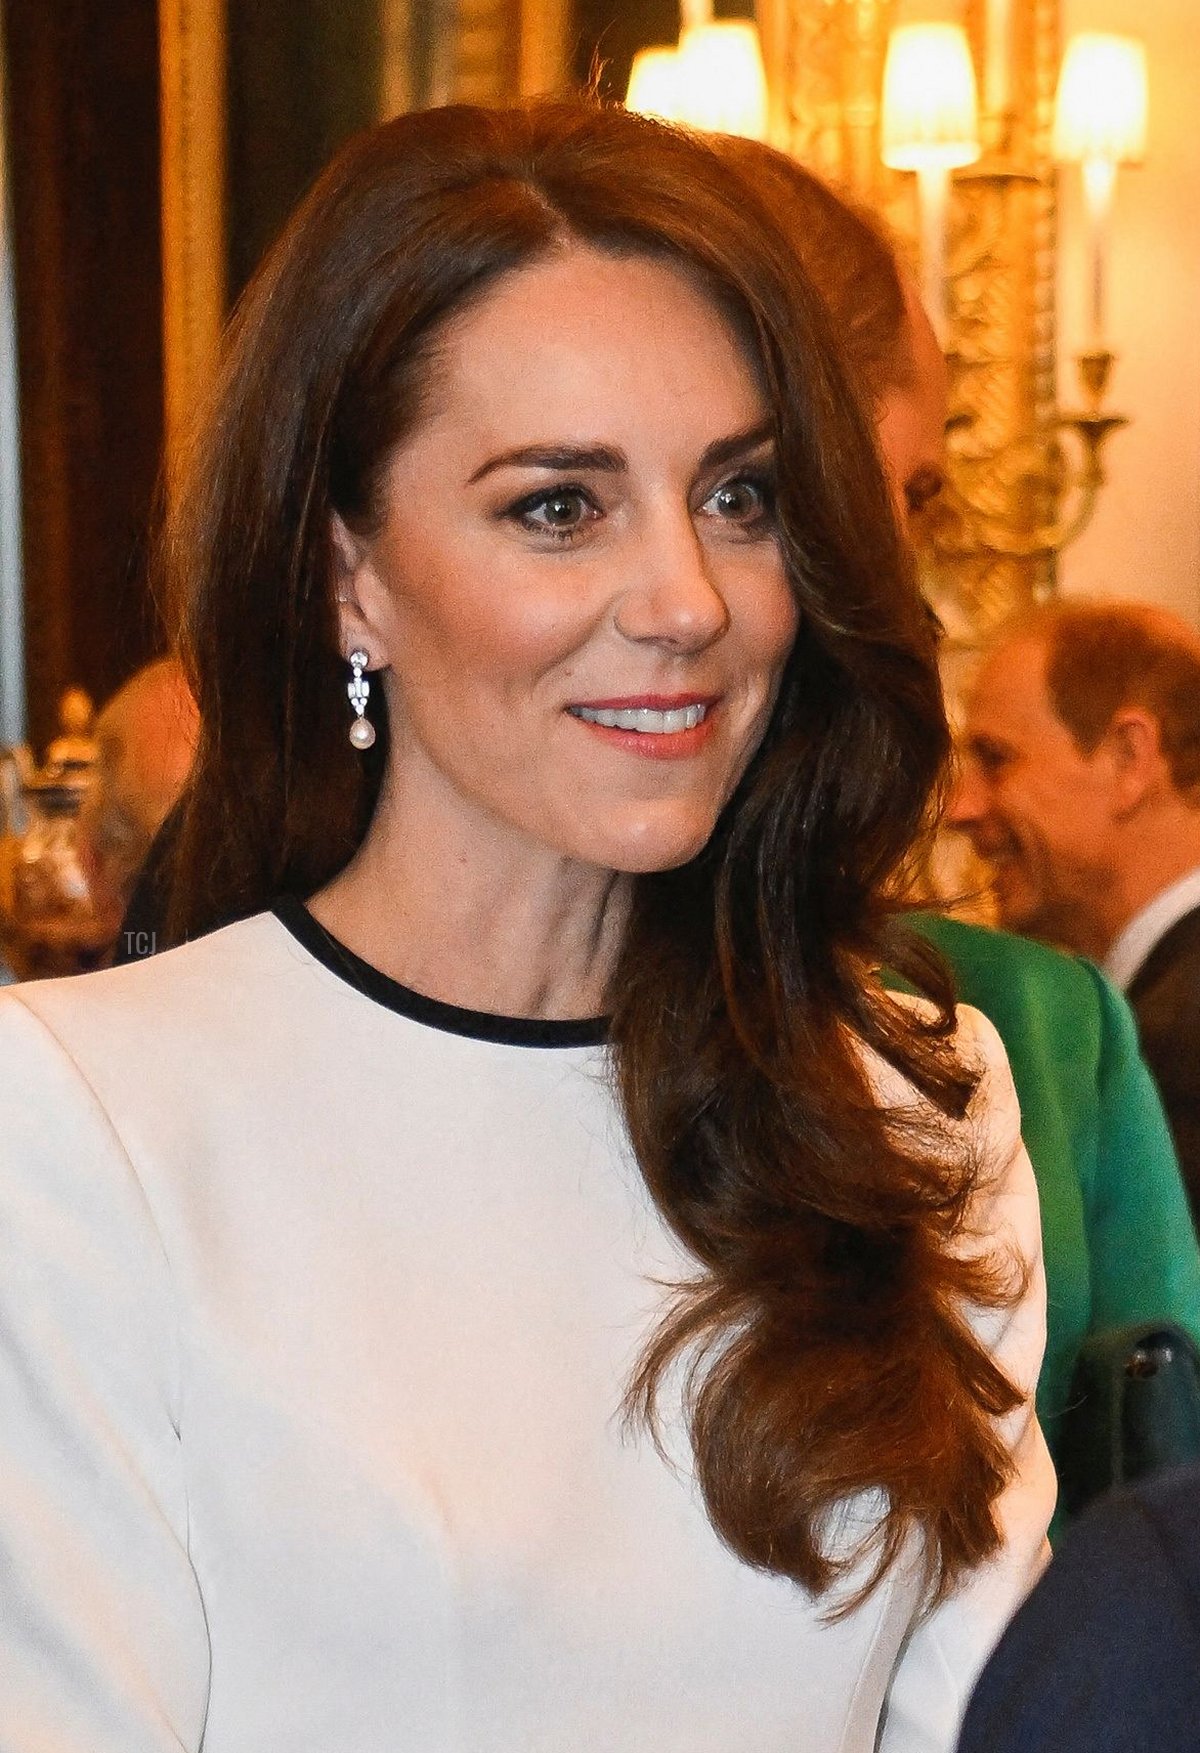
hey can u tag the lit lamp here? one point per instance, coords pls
(714, 80)
(1099, 123)
(930, 126)
(997, 57)
(654, 83)
(722, 80)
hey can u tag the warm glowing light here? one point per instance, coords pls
(722, 80)
(997, 57)
(930, 125)
(930, 114)
(1100, 111)
(654, 83)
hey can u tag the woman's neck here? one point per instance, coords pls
(463, 912)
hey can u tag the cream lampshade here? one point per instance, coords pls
(722, 81)
(1100, 110)
(930, 113)
(930, 125)
(1099, 123)
(654, 83)
(714, 80)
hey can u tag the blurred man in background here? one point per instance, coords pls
(1080, 788)
(147, 737)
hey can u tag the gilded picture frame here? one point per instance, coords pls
(192, 59)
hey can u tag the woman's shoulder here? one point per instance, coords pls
(990, 1128)
(975, 1041)
(136, 1061)
(198, 982)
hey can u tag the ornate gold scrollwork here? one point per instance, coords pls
(1018, 491)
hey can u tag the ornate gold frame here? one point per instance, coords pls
(192, 61)
(476, 50)
(483, 51)
(825, 69)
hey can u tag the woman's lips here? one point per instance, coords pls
(655, 726)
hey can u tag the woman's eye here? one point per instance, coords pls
(557, 511)
(749, 501)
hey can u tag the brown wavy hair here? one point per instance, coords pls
(846, 253)
(825, 1339)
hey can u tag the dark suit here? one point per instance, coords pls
(1104, 1657)
(1165, 995)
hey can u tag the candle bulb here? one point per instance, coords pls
(1099, 180)
(933, 198)
(997, 64)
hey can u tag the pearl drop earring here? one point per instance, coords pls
(362, 731)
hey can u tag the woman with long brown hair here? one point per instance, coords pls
(524, 1284)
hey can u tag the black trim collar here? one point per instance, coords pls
(478, 1025)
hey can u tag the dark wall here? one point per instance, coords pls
(82, 86)
(82, 80)
(302, 75)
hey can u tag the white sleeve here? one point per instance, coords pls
(103, 1647)
(945, 1650)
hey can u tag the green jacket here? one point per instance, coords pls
(1117, 1234)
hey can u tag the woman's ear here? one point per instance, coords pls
(353, 578)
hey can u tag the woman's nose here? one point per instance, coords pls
(674, 597)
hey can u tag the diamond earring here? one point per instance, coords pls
(362, 731)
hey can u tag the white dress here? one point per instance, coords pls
(316, 1310)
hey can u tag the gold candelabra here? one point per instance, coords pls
(1043, 473)
(1025, 475)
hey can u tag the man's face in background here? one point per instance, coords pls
(1035, 807)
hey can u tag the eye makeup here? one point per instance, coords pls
(558, 512)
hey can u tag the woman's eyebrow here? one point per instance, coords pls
(603, 456)
(554, 456)
(726, 449)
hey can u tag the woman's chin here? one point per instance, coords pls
(663, 841)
